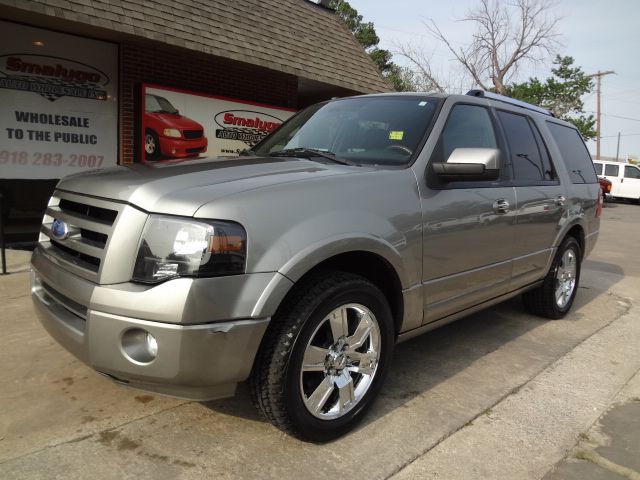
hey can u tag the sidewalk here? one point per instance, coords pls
(582, 412)
(610, 450)
(17, 261)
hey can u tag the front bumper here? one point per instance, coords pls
(177, 147)
(196, 361)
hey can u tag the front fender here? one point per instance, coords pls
(309, 257)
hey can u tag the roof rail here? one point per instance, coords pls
(512, 101)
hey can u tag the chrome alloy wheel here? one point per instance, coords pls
(566, 278)
(340, 361)
(149, 144)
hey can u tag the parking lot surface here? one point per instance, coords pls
(500, 394)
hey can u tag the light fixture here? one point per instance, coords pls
(38, 43)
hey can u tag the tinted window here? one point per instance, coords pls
(598, 168)
(468, 126)
(574, 153)
(631, 172)
(529, 163)
(611, 170)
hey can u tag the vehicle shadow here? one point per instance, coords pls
(424, 362)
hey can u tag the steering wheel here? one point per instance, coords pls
(402, 148)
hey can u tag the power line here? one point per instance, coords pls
(617, 116)
(623, 118)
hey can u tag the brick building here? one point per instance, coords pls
(60, 56)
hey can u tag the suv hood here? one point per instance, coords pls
(180, 188)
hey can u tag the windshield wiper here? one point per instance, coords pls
(311, 152)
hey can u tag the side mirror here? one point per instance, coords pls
(469, 164)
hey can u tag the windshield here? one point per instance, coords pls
(363, 130)
(155, 104)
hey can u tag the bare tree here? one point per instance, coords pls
(506, 35)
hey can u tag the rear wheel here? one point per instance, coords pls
(553, 299)
(324, 358)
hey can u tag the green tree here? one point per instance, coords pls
(366, 35)
(561, 93)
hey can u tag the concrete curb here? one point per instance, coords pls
(529, 431)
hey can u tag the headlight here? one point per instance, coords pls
(181, 247)
(172, 132)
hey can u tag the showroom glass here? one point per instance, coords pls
(374, 130)
(154, 104)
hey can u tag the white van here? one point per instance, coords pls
(624, 177)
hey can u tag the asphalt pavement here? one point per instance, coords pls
(499, 394)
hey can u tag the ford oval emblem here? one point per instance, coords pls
(59, 229)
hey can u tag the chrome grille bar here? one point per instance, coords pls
(90, 223)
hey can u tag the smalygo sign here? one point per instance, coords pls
(246, 126)
(59, 103)
(52, 77)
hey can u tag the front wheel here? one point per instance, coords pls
(553, 299)
(324, 359)
(151, 145)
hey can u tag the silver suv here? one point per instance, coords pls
(360, 223)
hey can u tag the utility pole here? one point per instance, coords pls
(598, 77)
(618, 148)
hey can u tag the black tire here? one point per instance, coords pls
(151, 145)
(542, 300)
(277, 379)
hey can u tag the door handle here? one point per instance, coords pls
(560, 200)
(501, 206)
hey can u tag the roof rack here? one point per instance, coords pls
(512, 101)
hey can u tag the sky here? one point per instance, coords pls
(600, 35)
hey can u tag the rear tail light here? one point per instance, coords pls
(600, 203)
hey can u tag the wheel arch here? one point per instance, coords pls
(370, 265)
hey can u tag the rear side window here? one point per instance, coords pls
(574, 153)
(611, 170)
(529, 159)
(598, 168)
(631, 172)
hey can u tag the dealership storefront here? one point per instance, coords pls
(87, 85)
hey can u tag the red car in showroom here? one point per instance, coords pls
(169, 134)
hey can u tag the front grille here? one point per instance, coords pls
(195, 150)
(192, 134)
(82, 259)
(90, 223)
(89, 211)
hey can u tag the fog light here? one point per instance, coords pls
(152, 345)
(139, 345)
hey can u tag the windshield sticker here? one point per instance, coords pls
(422, 103)
(396, 135)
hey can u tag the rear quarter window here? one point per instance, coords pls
(574, 153)
(611, 170)
(598, 167)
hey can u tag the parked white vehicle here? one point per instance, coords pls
(624, 177)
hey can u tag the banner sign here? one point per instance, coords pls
(59, 110)
(180, 124)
